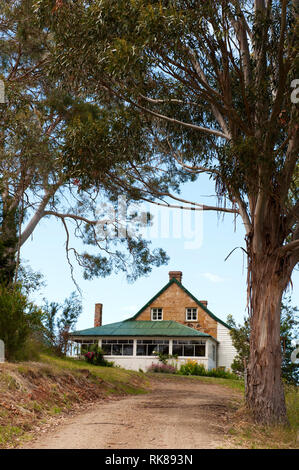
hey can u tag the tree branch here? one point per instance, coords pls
(290, 247)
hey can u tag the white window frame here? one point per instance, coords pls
(191, 308)
(155, 310)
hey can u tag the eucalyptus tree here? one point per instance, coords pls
(214, 85)
(44, 123)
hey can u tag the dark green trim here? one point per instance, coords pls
(172, 281)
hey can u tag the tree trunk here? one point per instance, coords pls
(265, 392)
(8, 246)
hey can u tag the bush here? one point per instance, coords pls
(164, 368)
(191, 367)
(163, 358)
(19, 319)
(95, 356)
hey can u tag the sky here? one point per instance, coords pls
(196, 242)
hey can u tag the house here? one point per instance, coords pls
(172, 322)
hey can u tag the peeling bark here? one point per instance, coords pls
(265, 394)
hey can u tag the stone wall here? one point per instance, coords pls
(174, 302)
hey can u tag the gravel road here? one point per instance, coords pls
(178, 413)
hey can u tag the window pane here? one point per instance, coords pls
(163, 348)
(150, 349)
(128, 350)
(107, 349)
(156, 313)
(188, 350)
(141, 350)
(200, 350)
(177, 349)
(117, 349)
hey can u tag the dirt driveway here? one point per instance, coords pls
(177, 413)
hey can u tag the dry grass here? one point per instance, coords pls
(247, 434)
(33, 393)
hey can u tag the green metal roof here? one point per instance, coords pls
(142, 328)
(175, 281)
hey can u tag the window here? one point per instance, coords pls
(157, 314)
(117, 347)
(85, 344)
(193, 348)
(191, 314)
(146, 347)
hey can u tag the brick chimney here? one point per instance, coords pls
(204, 302)
(98, 315)
(176, 274)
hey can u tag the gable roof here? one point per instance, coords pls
(142, 328)
(175, 281)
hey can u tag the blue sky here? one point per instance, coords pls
(197, 244)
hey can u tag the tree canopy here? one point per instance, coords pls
(213, 86)
(61, 155)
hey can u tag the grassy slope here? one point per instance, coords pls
(32, 392)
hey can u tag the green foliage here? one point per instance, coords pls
(240, 337)
(65, 149)
(163, 358)
(58, 320)
(289, 329)
(19, 321)
(95, 356)
(289, 323)
(191, 367)
(30, 281)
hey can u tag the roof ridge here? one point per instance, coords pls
(169, 283)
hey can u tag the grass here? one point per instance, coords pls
(244, 432)
(9, 433)
(127, 380)
(231, 383)
(247, 434)
(32, 393)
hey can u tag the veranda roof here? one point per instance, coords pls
(142, 328)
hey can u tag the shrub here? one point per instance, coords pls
(191, 367)
(19, 319)
(164, 368)
(163, 358)
(95, 356)
(222, 373)
(58, 320)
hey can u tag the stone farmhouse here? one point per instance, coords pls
(172, 322)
